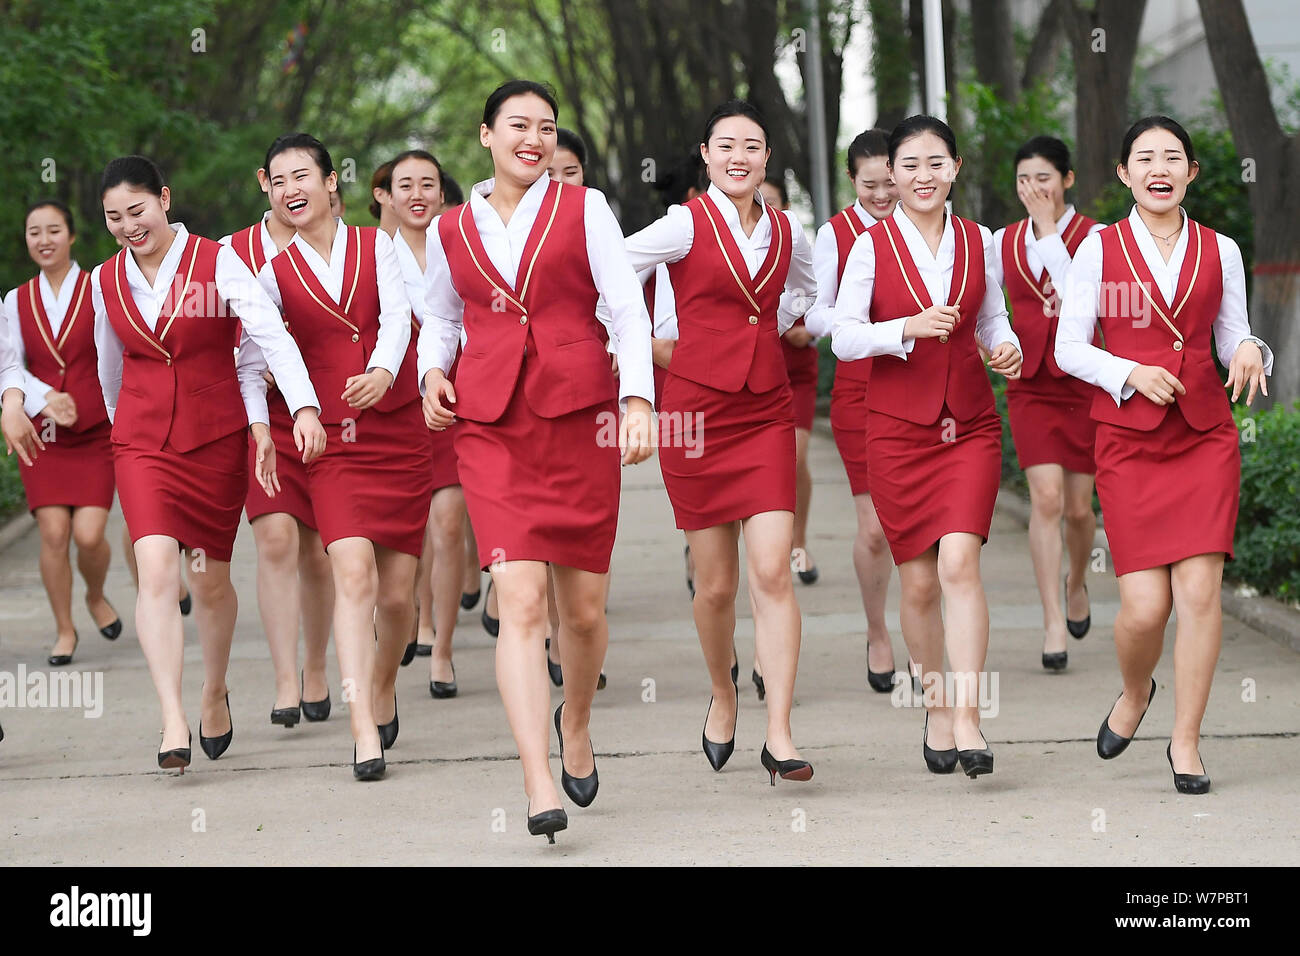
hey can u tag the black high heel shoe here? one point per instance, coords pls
(314, 710)
(1056, 661)
(442, 690)
(547, 823)
(408, 653)
(975, 763)
(287, 716)
(62, 660)
(719, 754)
(553, 667)
(759, 685)
(1111, 744)
(468, 599)
(581, 790)
(690, 581)
(1190, 783)
(423, 650)
(1076, 628)
(113, 630)
(187, 604)
(490, 624)
(937, 761)
(735, 665)
(881, 682)
(388, 731)
(214, 747)
(178, 758)
(788, 769)
(372, 769)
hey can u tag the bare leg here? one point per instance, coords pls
(356, 593)
(424, 597)
(55, 525)
(158, 624)
(473, 574)
(1046, 508)
(966, 630)
(279, 599)
(717, 581)
(1145, 601)
(873, 564)
(922, 624)
(94, 554)
(802, 500)
(1196, 584)
(394, 621)
(580, 599)
(215, 608)
(316, 586)
(1080, 530)
(447, 528)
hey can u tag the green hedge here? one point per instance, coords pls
(12, 499)
(1267, 543)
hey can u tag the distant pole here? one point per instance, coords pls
(935, 84)
(819, 157)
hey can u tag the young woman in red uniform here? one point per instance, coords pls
(381, 199)
(51, 323)
(740, 272)
(1168, 293)
(166, 309)
(1048, 409)
(294, 582)
(919, 297)
(520, 267)
(417, 200)
(341, 291)
(868, 171)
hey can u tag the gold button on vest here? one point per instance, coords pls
(1178, 346)
(523, 320)
(355, 337)
(753, 320)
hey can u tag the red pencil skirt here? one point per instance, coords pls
(74, 471)
(293, 498)
(195, 496)
(801, 365)
(1051, 422)
(725, 456)
(1168, 494)
(543, 489)
(932, 480)
(849, 426)
(375, 480)
(442, 446)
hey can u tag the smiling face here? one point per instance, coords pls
(298, 189)
(874, 188)
(417, 192)
(521, 139)
(736, 156)
(49, 242)
(1042, 176)
(566, 168)
(137, 218)
(924, 171)
(1157, 171)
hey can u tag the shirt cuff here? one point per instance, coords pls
(32, 403)
(1113, 381)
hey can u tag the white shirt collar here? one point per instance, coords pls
(528, 205)
(338, 248)
(59, 301)
(916, 242)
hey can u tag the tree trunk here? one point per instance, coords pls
(891, 62)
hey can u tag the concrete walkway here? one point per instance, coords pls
(87, 791)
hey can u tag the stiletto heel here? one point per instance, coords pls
(937, 761)
(788, 769)
(719, 754)
(313, 710)
(547, 823)
(581, 790)
(975, 763)
(759, 686)
(1111, 744)
(179, 758)
(369, 769)
(388, 731)
(1190, 783)
(214, 747)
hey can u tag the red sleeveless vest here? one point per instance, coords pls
(726, 320)
(1139, 325)
(247, 244)
(847, 226)
(178, 381)
(935, 372)
(66, 362)
(544, 332)
(1035, 305)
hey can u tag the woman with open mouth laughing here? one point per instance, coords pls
(919, 296)
(1163, 288)
(519, 268)
(742, 273)
(166, 309)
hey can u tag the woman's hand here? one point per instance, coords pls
(798, 337)
(438, 394)
(20, 434)
(1247, 368)
(636, 433)
(362, 391)
(308, 434)
(1156, 383)
(264, 468)
(1006, 360)
(1038, 203)
(269, 379)
(936, 322)
(661, 350)
(61, 407)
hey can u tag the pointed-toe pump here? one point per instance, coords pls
(1190, 783)
(388, 731)
(214, 747)
(408, 653)
(287, 716)
(1111, 744)
(787, 769)
(442, 690)
(368, 769)
(1077, 629)
(313, 711)
(113, 630)
(719, 754)
(176, 759)
(1056, 661)
(62, 660)
(936, 761)
(547, 823)
(581, 790)
(553, 667)
(976, 763)
(881, 682)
